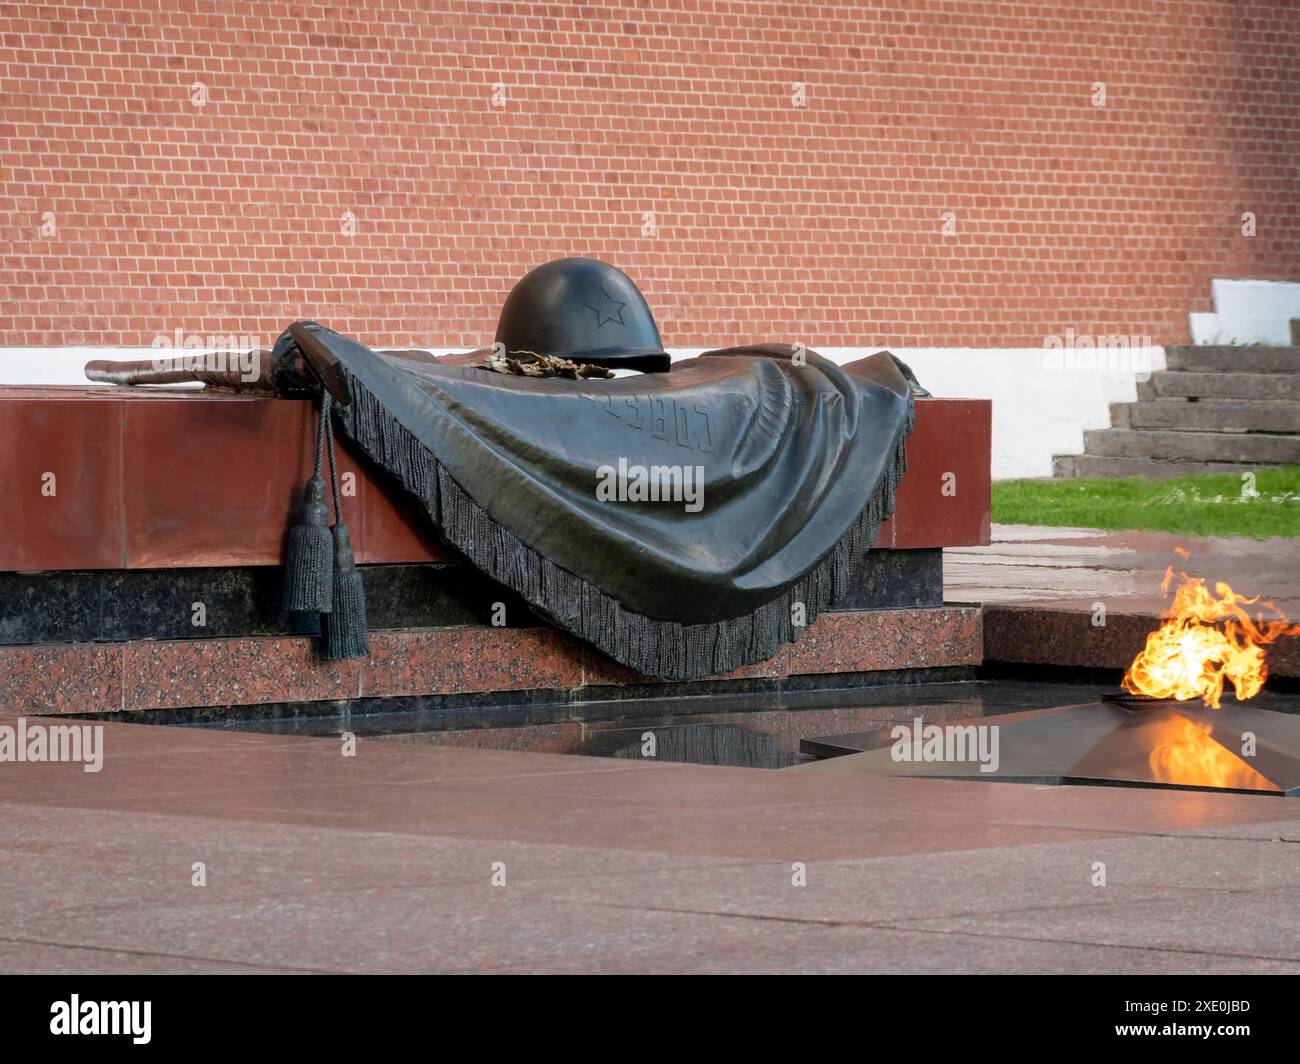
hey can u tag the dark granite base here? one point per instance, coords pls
(1103, 680)
(535, 706)
(894, 578)
(118, 605)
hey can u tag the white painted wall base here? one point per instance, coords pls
(1042, 402)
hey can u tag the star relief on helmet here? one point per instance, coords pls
(607, 308)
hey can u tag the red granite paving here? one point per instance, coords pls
(383, 862)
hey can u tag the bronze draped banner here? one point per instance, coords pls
(685, 523)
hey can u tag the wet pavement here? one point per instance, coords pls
(198, 850)
(769, 731)
(1074, 568)
(1078, 598)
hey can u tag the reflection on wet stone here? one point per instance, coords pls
(707, 744)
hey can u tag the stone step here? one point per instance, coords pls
(1059, 634)
(1210, 358)
(1088, 465)
(1208, 415)
(1186, 384)
(1232, 447)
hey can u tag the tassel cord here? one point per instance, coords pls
(308, 561)
(323, 431)
(328, 431)
(343, 630)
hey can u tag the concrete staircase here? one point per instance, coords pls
(1211, 410)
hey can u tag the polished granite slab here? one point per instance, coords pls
(114, 605)
(1240, 747)
(385, 861)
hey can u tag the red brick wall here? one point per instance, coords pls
(774, 222)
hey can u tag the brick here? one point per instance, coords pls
(775, 222)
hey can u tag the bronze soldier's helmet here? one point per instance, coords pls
(584, 310)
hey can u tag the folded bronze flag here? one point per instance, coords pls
(685, 523)
(777, 477)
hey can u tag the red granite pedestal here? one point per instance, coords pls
(107, 478)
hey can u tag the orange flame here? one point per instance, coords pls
(1185, 752)
(1206, 638)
